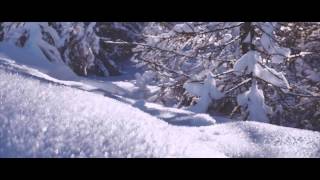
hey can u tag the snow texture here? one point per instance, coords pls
(246, 64)
(79, 83)
(40, 118)
(253, 99)
(141, 82)
(48, 111)
(208, 92)
(251, 63)
(173, 116)
(44, 120)
(32, 54)
(271, 76)
(268, 43)
(183, 28)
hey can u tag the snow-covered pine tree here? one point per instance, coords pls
(80, 48)
(303, 73)
(241, 60)
(142, 81)
(116, 55)
(207, 93)
(254, 67)
(78, 44)
(247, 59)
(32, 34)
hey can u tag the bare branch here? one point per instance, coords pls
(239, 85)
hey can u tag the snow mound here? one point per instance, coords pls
(41, 119)
(44, 120)
(254, 139)
(195, 120)
(77, 82)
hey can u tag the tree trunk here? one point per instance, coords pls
(245, 30)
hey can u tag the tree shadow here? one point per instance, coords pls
(174, 118)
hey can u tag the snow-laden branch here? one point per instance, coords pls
(209, 31)
(239, 85)
(301, 95)
(290, 92)
(146, 45)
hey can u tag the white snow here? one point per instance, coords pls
(253, 99)
(32, 55)
(43, 120)
(78, 82)
(173, 116)
(278, 53)
(207, 92)
(40, 118)
(314, 76)
(184, 27)
(247, 39)
(249, 63)
(277, 59)
(255, 139)
(271, 76)
(141, 82)
(246, 63)
(227, 37)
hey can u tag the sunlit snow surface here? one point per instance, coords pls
(40, 119)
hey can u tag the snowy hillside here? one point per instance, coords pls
(41, 116)
(169, 89)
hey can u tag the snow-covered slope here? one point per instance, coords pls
(43, 119)
(32, 56)
(78, 82)
(111, 89)
(39, 119)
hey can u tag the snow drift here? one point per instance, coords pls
(42, 119)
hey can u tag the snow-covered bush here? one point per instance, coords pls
(302, 71)
(254, 104)
(214, 67)
(78, 44)
(142, 81)
(116, 55)
(249, 63)
(207, 93)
